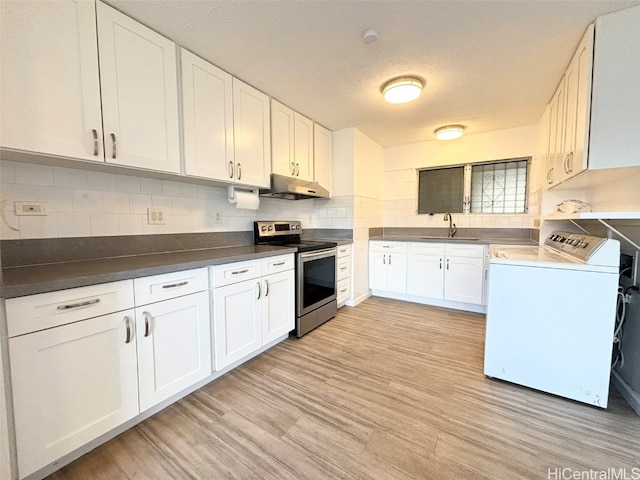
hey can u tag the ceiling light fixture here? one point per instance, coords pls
(449, 132)
(402, 89)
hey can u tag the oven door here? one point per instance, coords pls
(316, 279)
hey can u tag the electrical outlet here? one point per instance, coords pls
(217, 216)
(30, 208)
(155, 216)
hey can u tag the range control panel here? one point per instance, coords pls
(578, 245)
(274, 229)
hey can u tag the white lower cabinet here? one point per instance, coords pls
(343, 274)
(249, 313)
(70, 385)
(174, 346)
(447, 274)
(388, 266)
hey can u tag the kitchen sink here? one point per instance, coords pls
(454, 239)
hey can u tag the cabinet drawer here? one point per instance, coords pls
(277, 264)
(344, 290)
(399, 247)
(47, 310)
(427, 248)
(476, 251)
(235, 272)
(169, 285)
(344, 268)
(344, 251)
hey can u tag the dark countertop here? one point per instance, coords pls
(473, 240)
(29, 280)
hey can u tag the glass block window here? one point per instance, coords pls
(441, 190)
(499, 187)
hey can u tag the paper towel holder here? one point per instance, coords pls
(231, 190)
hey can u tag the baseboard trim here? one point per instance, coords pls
(467, 307)
(632, 397)
(358, 300)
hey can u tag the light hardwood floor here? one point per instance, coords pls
(386, 390)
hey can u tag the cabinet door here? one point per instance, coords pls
(49, 81)
(322, 156)
(278, 304)
(237, 321)
(174, 346)
(252, 135)
(397, 272)
(378, 271)
(556, 137)
(303, 140)
(138, 75)
(207, 116)
(282, 144)
(464, 279)
(71, 384)
(425, 275)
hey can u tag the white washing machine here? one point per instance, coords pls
(551, 313)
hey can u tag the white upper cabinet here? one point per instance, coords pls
(139, 83)
(207, 116)
(49, 81)
(252, 135)
(577, 85)
(303, 141)
(282, 135)
(615, 110)
(322, 153)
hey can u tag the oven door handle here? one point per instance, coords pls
(321, 253)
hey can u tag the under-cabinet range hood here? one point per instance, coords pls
(293, 188)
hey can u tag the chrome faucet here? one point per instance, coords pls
(452, 226)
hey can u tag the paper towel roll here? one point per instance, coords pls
(244, 199)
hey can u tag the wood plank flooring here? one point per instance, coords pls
(386, 390)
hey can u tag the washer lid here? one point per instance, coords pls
(542, 257)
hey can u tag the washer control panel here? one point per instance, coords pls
(578, 245)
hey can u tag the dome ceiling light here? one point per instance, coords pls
(402, 89)
(449, 132)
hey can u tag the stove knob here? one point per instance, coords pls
(264, 228)
(297, 227)
(270, 227)
(584, 244)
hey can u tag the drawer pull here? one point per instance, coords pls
(259, 291)
(237, 272)
(278, 264)
(266, 288)
(343, 268)
(127, 323)
(386, 246)
(174, 285)
(95, 142)
(79, 304)
(343, 290)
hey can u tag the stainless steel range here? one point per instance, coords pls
(315, 272)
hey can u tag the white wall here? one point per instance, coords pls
(400, 177)
(84, 203)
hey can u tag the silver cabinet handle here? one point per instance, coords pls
(79, 304)
(127, 323)
(384, 259)
(237, 272)
(293, 168)
(266, 288)
(230, 169)
(297, 169)
(174, 285)
(113, 145)
(278, 264)
(239, 171)
(570, 162)
(343, 290)
(389, 259)
(343, 268)
(95, 142)
(440, 264)
(447, 264)
(147, 323)
(259, 291)
(386, 246)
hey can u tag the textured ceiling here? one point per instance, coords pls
(488, 65)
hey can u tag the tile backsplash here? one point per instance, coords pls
(85, 203)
